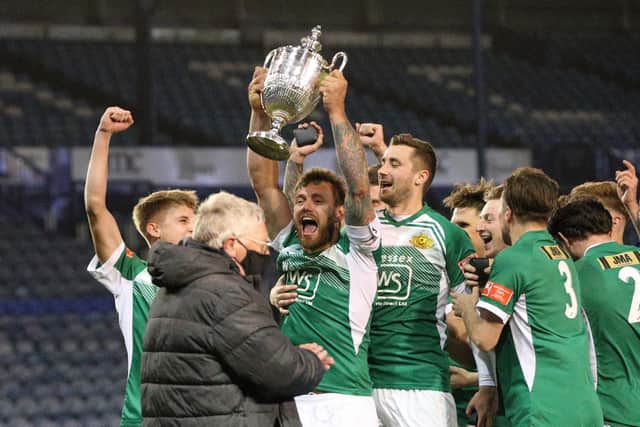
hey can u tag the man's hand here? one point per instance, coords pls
(465, 302)
(460, 377)
(470, 276)
(114, 120)
(485, 404)
(372, 136)
(256, 86)
(322, 354)
(298, 154)
(627, 187)
(334, 90)
(283, 295)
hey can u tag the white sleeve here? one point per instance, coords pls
(593, 360)
(277, 243)
(106, 273)
(486, 365)
(364, 238)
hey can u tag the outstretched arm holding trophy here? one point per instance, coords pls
(264, 172)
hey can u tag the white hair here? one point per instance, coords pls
(223, 215)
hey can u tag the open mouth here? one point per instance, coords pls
(384, 185)
(309, 225)
(487, 238)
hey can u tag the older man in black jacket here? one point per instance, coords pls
(213, 355)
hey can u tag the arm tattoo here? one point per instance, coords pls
(353, 164)
(292, 173)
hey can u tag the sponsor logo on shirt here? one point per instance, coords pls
(129, 253)
(623, 259)
(497, 292)
(421, 241)
(307, 281)
(554, 252)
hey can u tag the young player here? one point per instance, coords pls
(163, 215)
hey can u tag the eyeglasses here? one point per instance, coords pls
(264, 244)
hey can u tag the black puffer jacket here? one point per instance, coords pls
(213, 355)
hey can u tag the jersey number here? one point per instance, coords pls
(628, 275)
(570, 310)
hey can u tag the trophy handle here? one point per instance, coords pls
(339, 55)
(267, 60)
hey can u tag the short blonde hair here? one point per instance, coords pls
(159, 202)
(223, 215)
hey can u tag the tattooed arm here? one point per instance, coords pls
(264, 172)
(349, 151)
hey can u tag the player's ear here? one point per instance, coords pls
(153, 229)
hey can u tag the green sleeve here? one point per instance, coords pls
(503, 287)
(459, 247)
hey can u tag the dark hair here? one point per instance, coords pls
(318, 175)
(424, 154)
(531, 194)
(373, 174)
(468, 195)
(579, 219)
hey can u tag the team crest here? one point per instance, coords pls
(422, 241)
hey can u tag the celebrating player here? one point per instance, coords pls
(163, 215)
(610, 288)
(530, 311)
(334, 269)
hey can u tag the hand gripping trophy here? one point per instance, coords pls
(291, 90)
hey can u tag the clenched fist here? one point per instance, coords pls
(115, 119)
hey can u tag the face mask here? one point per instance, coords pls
(254, 263)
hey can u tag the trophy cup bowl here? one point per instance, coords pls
(291, 91)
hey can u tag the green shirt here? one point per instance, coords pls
(542, 357)
(420, 257)
(336, 290)
(125, 276)
(610, 278)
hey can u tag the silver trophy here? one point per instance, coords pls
(291, 90)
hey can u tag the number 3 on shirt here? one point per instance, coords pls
(571, 311)
(628, 275)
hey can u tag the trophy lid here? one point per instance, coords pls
(311, 42)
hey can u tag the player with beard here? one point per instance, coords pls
(610, 287)
(334, 268)
(529, 312)
(420, 256)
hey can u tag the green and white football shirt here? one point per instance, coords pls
(610, 287)
(336, 290)
(420, 264)
(125, 276)
(543, 364)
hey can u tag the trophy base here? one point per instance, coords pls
(268, 144)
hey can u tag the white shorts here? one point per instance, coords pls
(415, 408)
(336, 410)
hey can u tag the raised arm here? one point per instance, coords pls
(627, 183)
(349, 151)
(372, 136)
(103, 226)
(264, 172)
(295, 165)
